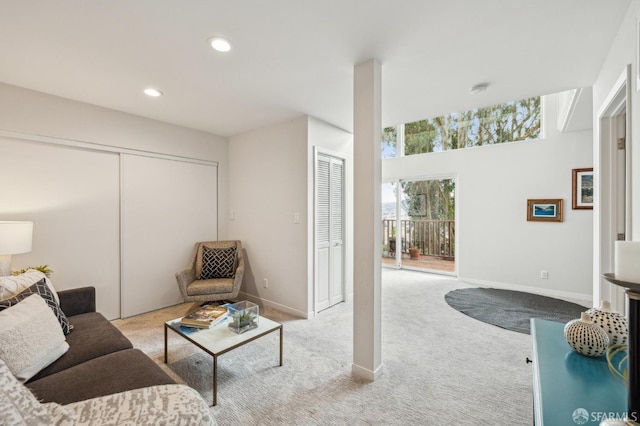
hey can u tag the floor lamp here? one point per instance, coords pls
(15, 238)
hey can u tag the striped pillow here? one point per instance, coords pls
(43, 290)
(218, 262)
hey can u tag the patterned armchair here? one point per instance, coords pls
(215, 272)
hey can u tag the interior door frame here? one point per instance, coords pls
(617, 102)
(317, 150)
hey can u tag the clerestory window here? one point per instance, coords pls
(508, 122)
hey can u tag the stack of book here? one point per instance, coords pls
(205, 316)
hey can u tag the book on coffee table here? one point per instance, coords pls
(205, 316)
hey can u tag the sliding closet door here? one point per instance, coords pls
(72, 197)
(166, 207)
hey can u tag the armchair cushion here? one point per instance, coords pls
(203, 287)
(217, 263)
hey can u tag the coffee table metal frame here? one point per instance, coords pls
(213, 342)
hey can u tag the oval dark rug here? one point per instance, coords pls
(511, 309)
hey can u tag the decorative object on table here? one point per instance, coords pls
(243, 316)
(582, 189)
(205, 316)
(613, 323)
(15, 238)
(586, 337)
(544, 210)
(42, 268)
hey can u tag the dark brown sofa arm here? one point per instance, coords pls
(78, 301)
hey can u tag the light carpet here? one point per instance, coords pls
(440, 367)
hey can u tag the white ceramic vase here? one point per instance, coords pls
(586, 337)
(613, 323)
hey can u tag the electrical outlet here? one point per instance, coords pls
(544, 275)
(266, 283)
(296, 217)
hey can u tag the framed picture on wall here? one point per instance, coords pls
(582, 189)
(544, 210)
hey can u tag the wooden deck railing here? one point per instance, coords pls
(432, 237)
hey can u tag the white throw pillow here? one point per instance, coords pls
(30, 337)
(14, 284)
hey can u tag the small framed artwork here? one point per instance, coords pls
(544, 210)
(582, 189)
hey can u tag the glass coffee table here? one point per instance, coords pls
(219, 340)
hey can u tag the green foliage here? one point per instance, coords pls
(508, 122)
(438, 196)
(42, 268)
(389, 142)
(243, 318)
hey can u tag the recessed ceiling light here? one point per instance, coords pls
(480, 87)
(152, 92)
(220, 44)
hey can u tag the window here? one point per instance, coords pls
(508, 122)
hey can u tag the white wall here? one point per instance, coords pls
(340, 142)
(271, 179)
(623, 52)
(25, 115)
(267, 185)
(495, 243)
(31, 112)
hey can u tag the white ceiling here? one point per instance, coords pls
(293, 57)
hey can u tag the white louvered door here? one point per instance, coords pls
(329, 231)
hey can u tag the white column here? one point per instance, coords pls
(367, 307)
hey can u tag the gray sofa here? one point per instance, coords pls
(100, 360)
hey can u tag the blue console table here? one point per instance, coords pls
(569, 388)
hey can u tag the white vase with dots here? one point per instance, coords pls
(586, 337)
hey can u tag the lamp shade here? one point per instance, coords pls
(627, 261)
(15, 237)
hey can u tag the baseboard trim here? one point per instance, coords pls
(365, 373)
(274, 305)
(579, 298)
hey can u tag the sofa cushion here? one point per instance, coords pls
(92, 336)
(44, 291)
(217, 263)
(116, 372)
(18, 406)
(30, 336)
(164, 404)
(155, 405)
